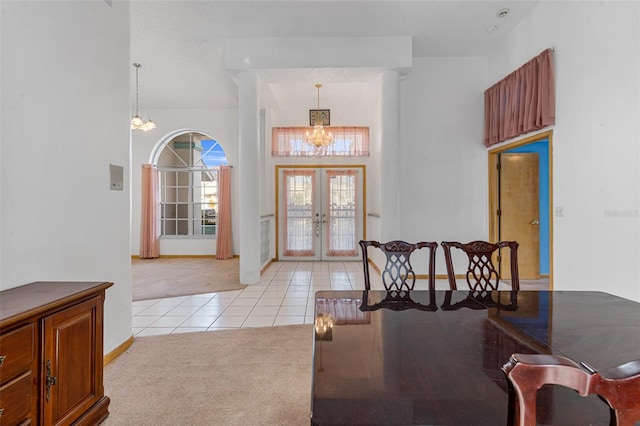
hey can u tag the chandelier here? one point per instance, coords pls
(138, 123)
(324, 327)
(319, 137)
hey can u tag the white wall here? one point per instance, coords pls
(596, 138)
(65, 112)
(443, 160)
(221, 125)
(346, 110)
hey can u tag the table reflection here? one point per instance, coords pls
(424, 357)
(397, 300)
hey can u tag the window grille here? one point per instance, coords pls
(188, 186)
(188, 202)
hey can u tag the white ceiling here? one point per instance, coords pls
(180, 43)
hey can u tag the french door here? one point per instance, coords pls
(320, 213)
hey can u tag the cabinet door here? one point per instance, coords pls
(72, 362)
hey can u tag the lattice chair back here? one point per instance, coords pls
(481, 274)
(618, 386)
(397, 274)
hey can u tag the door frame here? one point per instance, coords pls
(363, 170)
(493, 188)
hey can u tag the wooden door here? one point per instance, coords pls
(519, 212)
(72, 362)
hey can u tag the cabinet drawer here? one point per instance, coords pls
(15, 400)
(16, 352)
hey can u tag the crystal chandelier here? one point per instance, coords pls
(138, 123)
(319, 137)
(324, 326)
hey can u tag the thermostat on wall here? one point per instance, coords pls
(117, 173)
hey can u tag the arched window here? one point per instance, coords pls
(187, 166)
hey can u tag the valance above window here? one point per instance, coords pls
(521, 102)
(347, 141)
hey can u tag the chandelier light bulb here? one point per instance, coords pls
(136, 122)
(148, 125)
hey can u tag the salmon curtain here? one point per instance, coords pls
(224, 248)
(521, 102)
(347, 141)
(149, 235)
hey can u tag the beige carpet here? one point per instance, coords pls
(254, 376)
(171, 277)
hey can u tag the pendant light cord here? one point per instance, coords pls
(137, 65)
(318, 86)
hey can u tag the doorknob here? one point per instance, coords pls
(535, 222)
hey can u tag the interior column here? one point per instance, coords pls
(249, 182)
(390, 156)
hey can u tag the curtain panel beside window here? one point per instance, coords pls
(149, 235)
(347, 141)
(224, 246)
(521, 102)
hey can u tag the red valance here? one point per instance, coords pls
(521, 102)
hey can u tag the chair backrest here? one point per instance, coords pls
(481, 273)
(618, 386)
(398, 274)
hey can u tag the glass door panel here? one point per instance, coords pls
(299, 213)
(342, 215)
(320, 213)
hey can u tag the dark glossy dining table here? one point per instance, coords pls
(434, 358)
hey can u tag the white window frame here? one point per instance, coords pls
(184, 194)
(193, 164)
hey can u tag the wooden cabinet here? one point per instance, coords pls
(17, 375)
(51, 354)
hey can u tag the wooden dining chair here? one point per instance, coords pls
(618, 386)
(398, 274)
(481, 273)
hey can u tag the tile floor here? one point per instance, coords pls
(285, 295)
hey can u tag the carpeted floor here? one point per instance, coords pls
(171, 277)
(255, 376)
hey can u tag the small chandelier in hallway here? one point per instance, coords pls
(138, 123)
(319, 138)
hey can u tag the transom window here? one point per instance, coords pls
(347, 142)
(188, 184)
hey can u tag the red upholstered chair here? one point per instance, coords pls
(481, 274)
(618, 386)
(398, 274)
